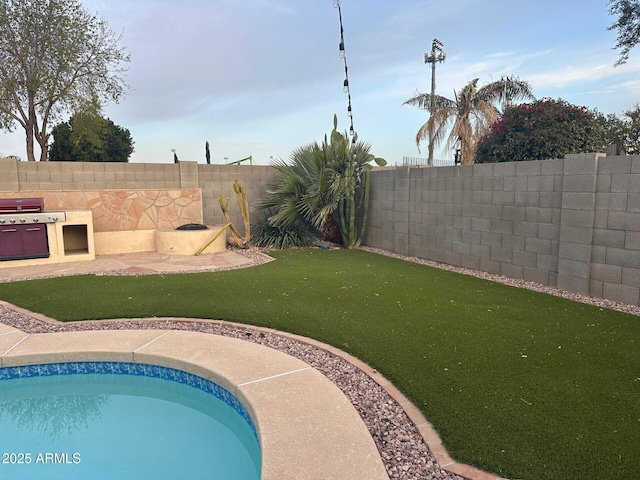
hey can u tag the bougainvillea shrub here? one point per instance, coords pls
(541, 130)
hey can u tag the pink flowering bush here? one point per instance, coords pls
(544, 129)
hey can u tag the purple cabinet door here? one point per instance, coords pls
(34, 240)
(10, 241)
(23, 241)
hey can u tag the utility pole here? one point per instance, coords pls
(437, 55)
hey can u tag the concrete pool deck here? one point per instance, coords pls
(307, 428)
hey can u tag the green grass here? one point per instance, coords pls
(519, 383)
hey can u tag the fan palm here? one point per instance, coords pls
(472, 111)
(304, 188)
(322, 181)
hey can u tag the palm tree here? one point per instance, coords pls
(472, 111)
(306, 188)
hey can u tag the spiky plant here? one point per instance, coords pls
(321, 181)
(306, 188)
(265, 233)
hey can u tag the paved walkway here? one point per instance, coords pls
(130, 263)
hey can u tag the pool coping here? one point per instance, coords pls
(292, 404)
(429, 435)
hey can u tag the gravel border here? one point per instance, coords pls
(600, 302)
(402, 448)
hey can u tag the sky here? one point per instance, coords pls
(261, 78)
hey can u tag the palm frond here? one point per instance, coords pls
(507, 90)
(423, 101)
(420, 100)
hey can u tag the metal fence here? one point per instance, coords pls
(417, 161)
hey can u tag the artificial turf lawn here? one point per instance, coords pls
(520, 383)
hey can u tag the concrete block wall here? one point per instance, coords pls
(85, 175)
(576, 223)
(483, 217)
(9, 175)
(572, 223)
(215, 180)
(615, 260)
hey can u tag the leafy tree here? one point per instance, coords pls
(541, 130)
(88, 137)
(632, 141)
(623, 132)
(627, 25)
(615, 132)
(55, 57)
(63, 148)
(118, 144)
(472, 110)
(323, 184)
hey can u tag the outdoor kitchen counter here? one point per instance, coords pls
(70, 240)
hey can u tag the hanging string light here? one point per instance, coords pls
(343, 56)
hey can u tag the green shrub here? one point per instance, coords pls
(541, 130)
(265, 233)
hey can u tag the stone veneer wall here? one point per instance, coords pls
(121, 210)
(126, 190)
(571, 223)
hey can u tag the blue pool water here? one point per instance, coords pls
(108, 420)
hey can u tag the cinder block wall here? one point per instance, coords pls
(615, 258)
(215, 180)
(572, 223)
(89, 175)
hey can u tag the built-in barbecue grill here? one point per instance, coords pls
(23, 229)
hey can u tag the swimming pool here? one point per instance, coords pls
(121, 420)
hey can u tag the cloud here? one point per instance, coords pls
(574, 74)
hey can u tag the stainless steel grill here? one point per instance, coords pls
(50, 217)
